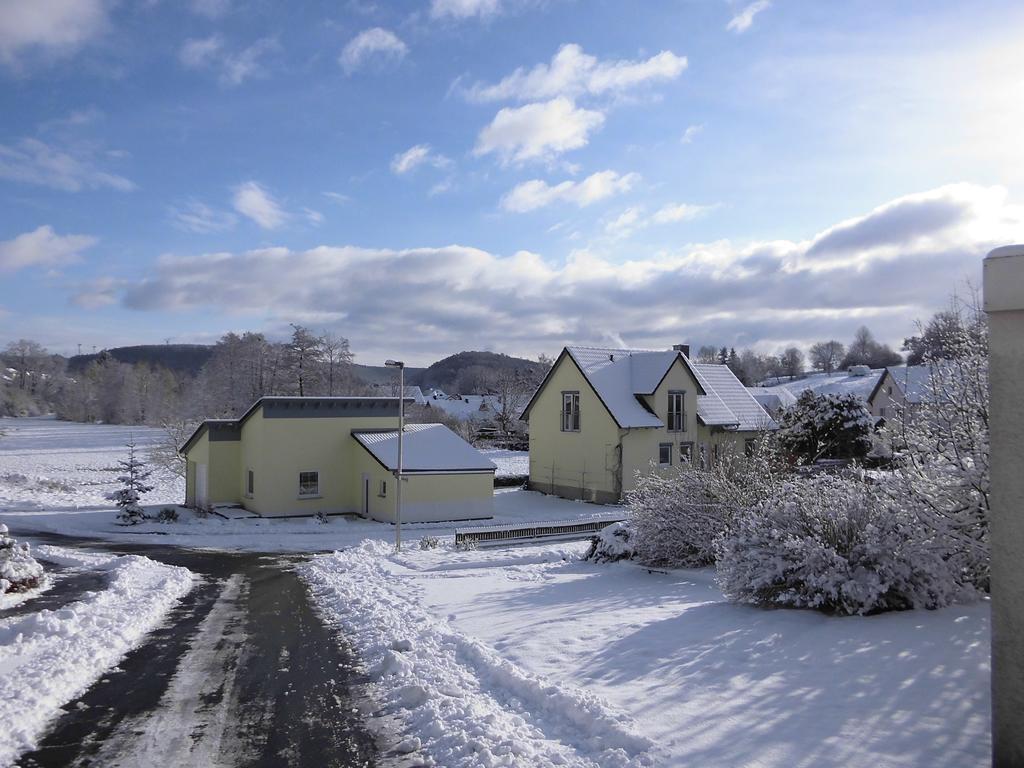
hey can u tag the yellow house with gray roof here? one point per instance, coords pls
(304, 455)
(602, 415)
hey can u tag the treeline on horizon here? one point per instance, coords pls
(241, 368)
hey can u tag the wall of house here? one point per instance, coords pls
(575, 465)
(1004, 302)
(378, 507)
(886, 403)
(278, 449)
(198, 453)
(223, 476)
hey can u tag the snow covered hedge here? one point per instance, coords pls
(678, 515)
(834, 543)
(19, 571)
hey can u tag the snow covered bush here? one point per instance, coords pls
(835, 543)
(167, 515)
(940, 448)
(133, 487)
(825, 426)
(678, 515)
(19, 571)
(612, 543)
(430, 542)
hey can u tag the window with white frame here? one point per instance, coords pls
(570, 411)
(676, 411)
(250, 482)
(686, 453)
(665, 454)
(309, 483)
(383, 490)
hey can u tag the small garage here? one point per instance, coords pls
(445, 478)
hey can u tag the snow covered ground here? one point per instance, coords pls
(49, 658)
(598, 658)
(509, 463)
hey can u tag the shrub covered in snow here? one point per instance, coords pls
(133, 487)
(941, 450)
(678, 515)
(19, 571)
(167, 515)
(430, 542)
(825, 426)
(834, 543)
(612, 543)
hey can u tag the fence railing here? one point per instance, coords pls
(563, 529)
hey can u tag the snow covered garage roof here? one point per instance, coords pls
(426, 448)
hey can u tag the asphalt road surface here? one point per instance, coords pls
(242, 673)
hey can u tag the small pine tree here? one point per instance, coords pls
(133, 487)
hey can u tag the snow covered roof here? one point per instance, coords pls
(467, 407)
(620, 376)
(425, 448)
(732, 404)
(838, 383)
(772, 399)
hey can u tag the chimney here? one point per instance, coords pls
(684, 348)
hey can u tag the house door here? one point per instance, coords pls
(202, 494)
(366, 495)
(202, 484)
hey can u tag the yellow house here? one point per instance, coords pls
(303, 455)
(603, 415)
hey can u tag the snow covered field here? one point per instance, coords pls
(509, 463)
(536, 632)
(49, 658)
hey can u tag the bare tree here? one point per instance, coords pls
(304, 358)
(337, 359)
(792, 362)
(826, 355)
(24, 356)
(512, 391)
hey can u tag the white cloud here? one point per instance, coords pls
(33, 161)
(675, 212)
(196, 53)
(252, 200)
(195, 216)
(376, 43)
(338, 197)
(886, 267)
(416, 156)
(101, 292)
(690, 134)
(464, 9)
(741, 21)
(313, 217)
(573, 73)
(633, 219)
(540, 130)
(536, 193)
(42, 247)
(50, 27)
(211, 9)
(235, 67)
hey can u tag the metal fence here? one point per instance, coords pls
(565, 529)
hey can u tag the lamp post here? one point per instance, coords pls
(401, 429)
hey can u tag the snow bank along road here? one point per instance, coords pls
(242, 672)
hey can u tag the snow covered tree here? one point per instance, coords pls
(19, 571)
(133, 488)
(677, 515)
(941, 449)
(825, 426)
(837, 544)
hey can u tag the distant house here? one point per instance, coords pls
(899, 391)
(602, 415)
(303, 455)
(859, 381)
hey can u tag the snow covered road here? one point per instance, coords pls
(241, 672)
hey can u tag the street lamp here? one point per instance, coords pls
(401, 428)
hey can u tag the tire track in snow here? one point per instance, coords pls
(191, 725)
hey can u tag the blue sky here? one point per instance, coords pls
(438, 175)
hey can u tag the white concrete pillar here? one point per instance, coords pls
(1004, 303)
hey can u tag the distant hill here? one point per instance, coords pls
(468, 372)
(378, 374)
(181, 358)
